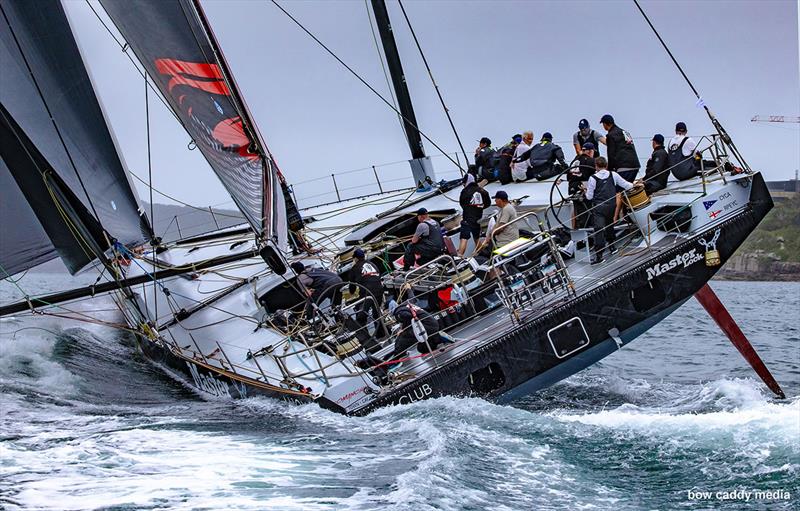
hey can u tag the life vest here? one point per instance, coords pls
(433, 242)
(591, 137)
(682, 167)
(604, 193)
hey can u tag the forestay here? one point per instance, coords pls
(173, 43)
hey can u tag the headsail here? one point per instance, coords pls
(23, 242)
(173, 42)
(46, 90)
(73, 231)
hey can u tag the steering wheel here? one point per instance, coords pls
(555, 209)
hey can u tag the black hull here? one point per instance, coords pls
(521, 360)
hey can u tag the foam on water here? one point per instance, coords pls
(87, 424)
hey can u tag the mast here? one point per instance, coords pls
(408, 119)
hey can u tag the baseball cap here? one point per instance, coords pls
(583, 124)
(681, 126)
(588, 145)
(500, 194)
(422, 211)
(547, 136)
(358, 253)
(658, 138)
(607, 119)
(486, 140)
(298, 267)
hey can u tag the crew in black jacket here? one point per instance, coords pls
(582, 169)
(366, 274)
(473, 200)
(622, 157)
(543, 158)
(656, 170)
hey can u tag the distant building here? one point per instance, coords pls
(782, 190)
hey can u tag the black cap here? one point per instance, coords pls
(486, 140)
(583, 124)
(358, 253)
(422, 211)
(588, 145)
(547, 136)
(517, 138)
(607, 119)
(298, 267)
(500, 194)
(681, 126)
(658, 138)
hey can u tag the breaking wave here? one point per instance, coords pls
(87, 424)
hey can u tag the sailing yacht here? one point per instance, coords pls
(224, 313)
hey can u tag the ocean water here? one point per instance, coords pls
(86, 423)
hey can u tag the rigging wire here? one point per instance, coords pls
(722, 132)
(154, 242)
(435, 85)
(366, 84)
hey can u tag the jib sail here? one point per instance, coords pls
(47, 94)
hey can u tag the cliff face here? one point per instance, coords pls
(772, 252)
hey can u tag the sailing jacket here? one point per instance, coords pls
(473, 200)
(656, 171)
(504, 156)
(485, 162)
(318, 280)
(543, 158)
(433, 243)
(364, 273)
(621, 151)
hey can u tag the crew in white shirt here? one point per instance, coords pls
(519, 170)
(681, 133)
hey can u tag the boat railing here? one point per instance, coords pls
(518, 287)
(367, 181)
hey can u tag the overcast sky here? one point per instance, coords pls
(503, 67)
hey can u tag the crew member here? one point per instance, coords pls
(367, 275)
(504, 231)
(406, 314)
(583, 168)
(473, 199)
(681, 154)
(601, 191)
(427, 241)
(543, 158)
(586, 134)
(504, 156)
(485, 160)
(622, 157)
(657, 169)
(519, 167)
(318, 284)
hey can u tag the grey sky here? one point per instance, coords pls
(503, 67)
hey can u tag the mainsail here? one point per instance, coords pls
(47, 94)
(175, 45)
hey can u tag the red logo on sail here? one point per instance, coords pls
(203, 76)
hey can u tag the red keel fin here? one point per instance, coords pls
(710, 301)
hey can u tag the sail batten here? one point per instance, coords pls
(175, 45)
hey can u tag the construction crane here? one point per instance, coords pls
(775, 118)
